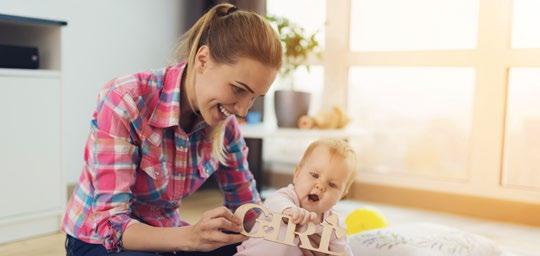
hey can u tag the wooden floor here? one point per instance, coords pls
(53, 244)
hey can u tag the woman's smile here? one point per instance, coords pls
(222, 112)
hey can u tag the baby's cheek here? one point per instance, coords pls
(334, 197)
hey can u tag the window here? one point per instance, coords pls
(392, 25)
(444, 88)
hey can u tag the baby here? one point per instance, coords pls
(322, 177)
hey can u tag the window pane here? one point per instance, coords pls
(309, 14)
(522, 143)
(525, 24)
(419, 119)
(390, 25)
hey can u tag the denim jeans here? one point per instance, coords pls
(76, 247)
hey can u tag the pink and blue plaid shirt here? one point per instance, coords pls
(139, 163)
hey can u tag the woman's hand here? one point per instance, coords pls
(300, 215)
(207, 234)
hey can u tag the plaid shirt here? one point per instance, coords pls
(139, 163)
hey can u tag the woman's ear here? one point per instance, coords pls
(202, 58)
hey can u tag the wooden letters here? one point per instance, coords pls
(269, 224)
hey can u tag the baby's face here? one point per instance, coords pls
(320, 182)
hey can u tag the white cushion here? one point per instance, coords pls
(421, 239)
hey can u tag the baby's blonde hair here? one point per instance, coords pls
(336, 147)
(230, 34)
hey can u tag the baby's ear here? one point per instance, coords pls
(295, 173)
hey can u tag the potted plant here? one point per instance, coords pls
(289, 104)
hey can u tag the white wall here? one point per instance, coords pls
(103, 39)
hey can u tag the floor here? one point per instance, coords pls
(518, 239)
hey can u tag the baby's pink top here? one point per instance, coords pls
(277, 202)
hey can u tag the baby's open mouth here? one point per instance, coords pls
(313, 197)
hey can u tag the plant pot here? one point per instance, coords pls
(289, 106)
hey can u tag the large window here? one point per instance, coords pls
(444, 88)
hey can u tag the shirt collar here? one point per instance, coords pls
(167, 110)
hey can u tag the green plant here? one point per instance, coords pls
(298, 45)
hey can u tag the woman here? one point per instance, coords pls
(157, 136)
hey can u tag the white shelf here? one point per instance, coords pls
(262, 131)
(30, 72)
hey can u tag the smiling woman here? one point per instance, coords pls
(156, 136)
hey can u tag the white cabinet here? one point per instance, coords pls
(32, 189)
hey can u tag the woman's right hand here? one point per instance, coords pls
(207, 234)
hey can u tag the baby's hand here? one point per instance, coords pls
(300, 215)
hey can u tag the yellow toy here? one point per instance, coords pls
(364, 219)
(334, 119)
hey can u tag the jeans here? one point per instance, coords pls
(76, 247)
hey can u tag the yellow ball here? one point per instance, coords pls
(364, 219)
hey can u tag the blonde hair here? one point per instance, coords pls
(229, 34)
(336, 147)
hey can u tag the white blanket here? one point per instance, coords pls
(422, 239)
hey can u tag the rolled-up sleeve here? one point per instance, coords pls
(111, 159)
(234, 177)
